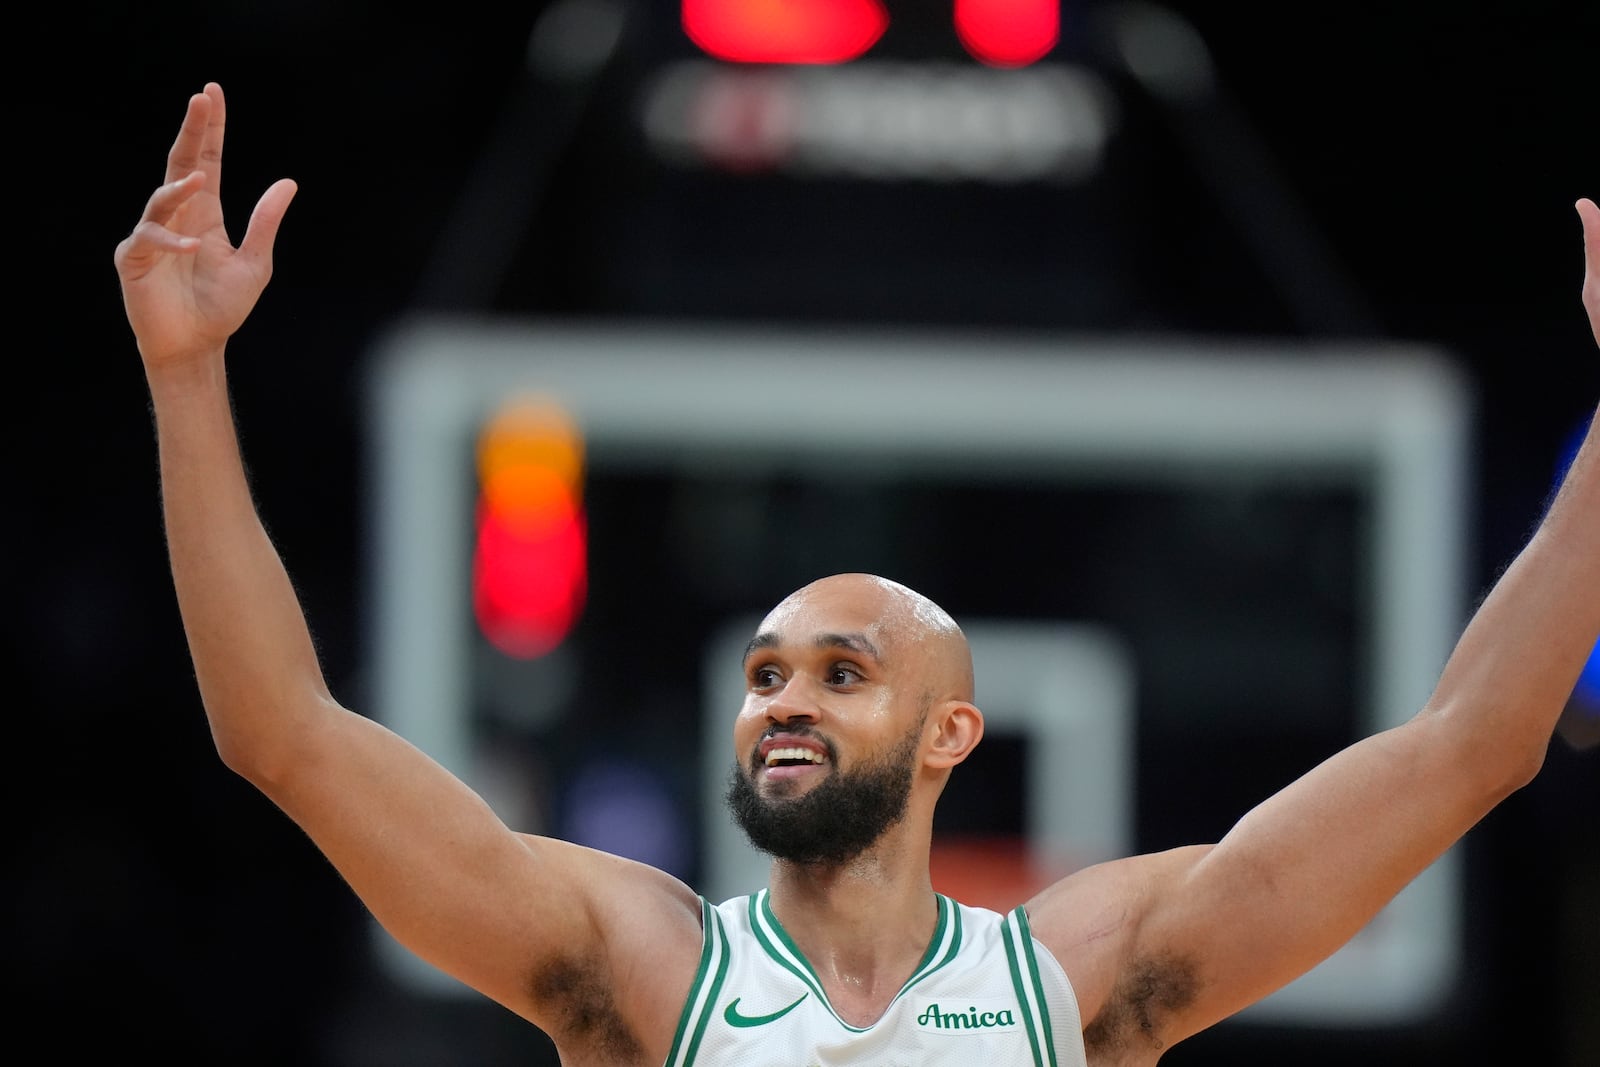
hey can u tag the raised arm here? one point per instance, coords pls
(1162, 946)
(512, 915)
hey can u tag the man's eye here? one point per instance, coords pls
(843, 676)
(762, 677)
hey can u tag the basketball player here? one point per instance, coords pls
(858, 706)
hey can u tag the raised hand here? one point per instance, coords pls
(1590, 214)
(185, 287)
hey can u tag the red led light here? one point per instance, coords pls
(530, 562)
(785, 31)
(1008, 33)
(528, 584)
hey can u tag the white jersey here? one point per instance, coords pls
(985, 993)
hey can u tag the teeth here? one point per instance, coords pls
(793, 753)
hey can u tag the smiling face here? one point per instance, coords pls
(851, 684)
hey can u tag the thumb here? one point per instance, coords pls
(262, 232)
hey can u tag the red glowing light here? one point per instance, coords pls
(1008, 33)
(528, 581)
(785, 31)
(530, 566)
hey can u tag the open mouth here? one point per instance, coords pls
(789, 761)
(794, 757)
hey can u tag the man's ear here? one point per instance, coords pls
(958, 727)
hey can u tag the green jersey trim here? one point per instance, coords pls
(700, 1006)
(1018, 939)
(1025, 938)
(777, 944)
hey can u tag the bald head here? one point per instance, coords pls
(903, 627)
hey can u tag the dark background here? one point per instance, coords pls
(1430, 151)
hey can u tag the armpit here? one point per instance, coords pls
(584, 1012)
(1148, 994)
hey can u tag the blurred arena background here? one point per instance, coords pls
(1065, 190)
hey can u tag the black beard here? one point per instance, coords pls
(835, 821)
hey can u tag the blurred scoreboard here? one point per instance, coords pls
(683, 160)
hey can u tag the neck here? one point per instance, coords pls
(865, 924)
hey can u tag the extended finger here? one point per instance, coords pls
(184, 155)
(1590, 214)
(211, 145)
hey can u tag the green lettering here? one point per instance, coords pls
(971, 1019)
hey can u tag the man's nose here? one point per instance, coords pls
(797, 701)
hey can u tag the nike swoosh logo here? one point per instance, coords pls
(735, 1018)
